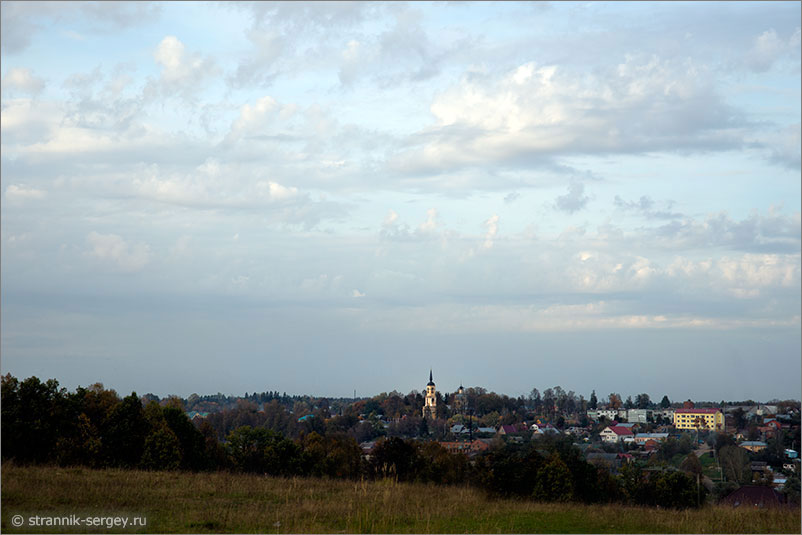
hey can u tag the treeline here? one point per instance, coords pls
(43, 424)
(219, 402)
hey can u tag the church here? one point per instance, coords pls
(430, 402)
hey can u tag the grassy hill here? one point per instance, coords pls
(176, 502)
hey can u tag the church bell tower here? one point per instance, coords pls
(430, 403)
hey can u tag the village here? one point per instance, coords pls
(751, 438)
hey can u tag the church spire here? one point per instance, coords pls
(430, 374)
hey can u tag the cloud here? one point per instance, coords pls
(492, 230)
(431, 228)
(645, 205)
(114, 250)
(23, 81)
(391, 218)
(768, 48)
(598, 315)
(15, 192)
(536, 112)
(117, 15)
(280, 29)
(511, 197)
(259, 68)
(182, 72)
(431, 223)
(22, 21)
(574, 200)
(785, 146)
(758, 233)
(256, 118)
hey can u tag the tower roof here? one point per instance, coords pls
(430, 383)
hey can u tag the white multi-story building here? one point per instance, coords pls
(610, 414)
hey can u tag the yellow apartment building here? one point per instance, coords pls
(712, 419)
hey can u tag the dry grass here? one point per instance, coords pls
(177, 502)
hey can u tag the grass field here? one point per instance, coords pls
(175, 502)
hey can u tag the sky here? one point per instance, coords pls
(322, 198)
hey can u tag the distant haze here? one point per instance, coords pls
(327, 197)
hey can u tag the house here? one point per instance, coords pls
(459, 429)
(758, 496)
(486, 430)
(367, 449)
(668, 414)
(643, 438)
(753, 445)
(650, 445)
(766, 431)
(763, 410)
(640, 416)
(615, 433)
(453, 447)
(772, 422)
(610, 461)
(544, 428)
(791, 454)
(508, 430)
(712, 419)
(609, 414)
(759, 466)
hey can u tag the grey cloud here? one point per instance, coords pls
(430, 229)
(100, 102)
(120, 14)
(300, 17)
(574, 200)
(770, 233)
(259, 68)
(785, 147)
(511, 197)
(19, 26)
(644, 205)
(278, 27)
(768, 48)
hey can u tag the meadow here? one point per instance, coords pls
(219, 502)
